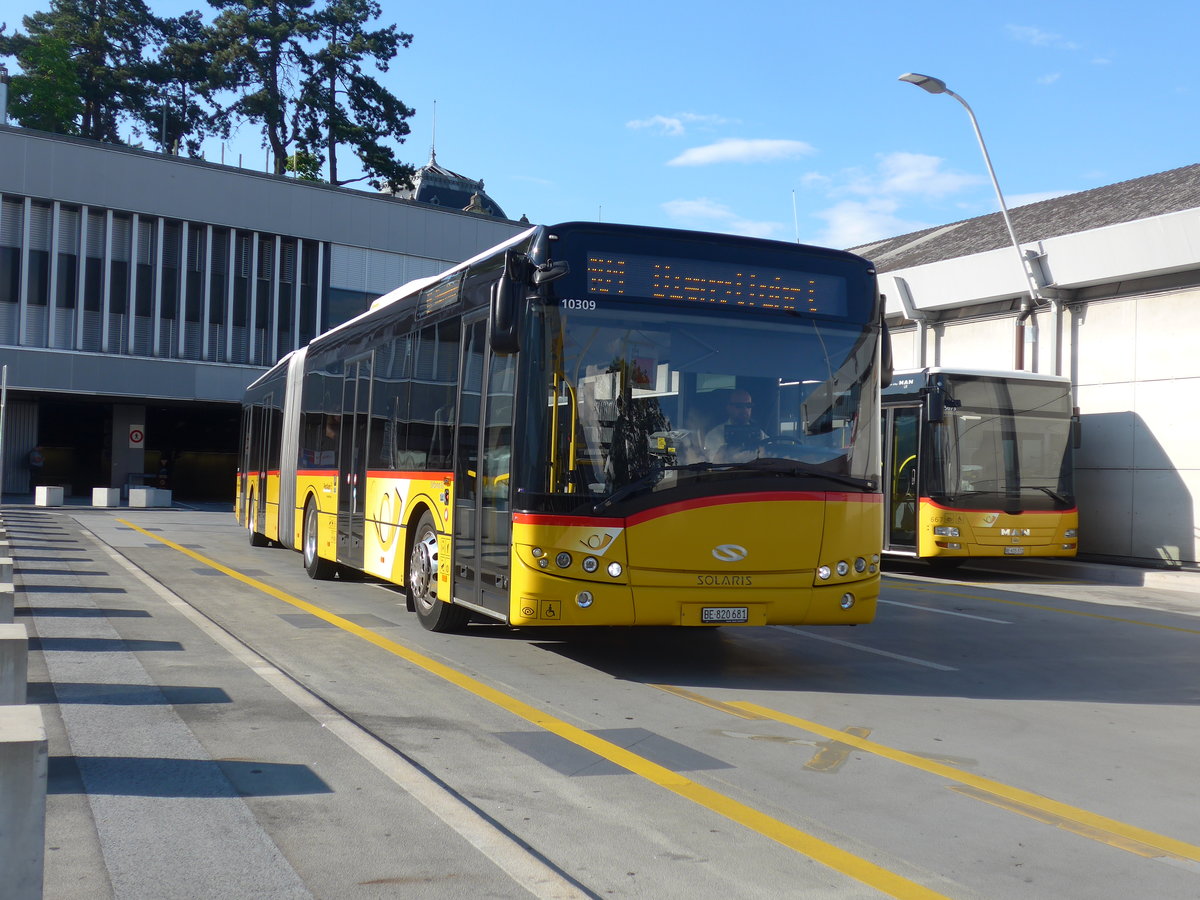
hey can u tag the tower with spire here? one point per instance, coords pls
(438, 186)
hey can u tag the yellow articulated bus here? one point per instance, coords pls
(591, 424)
(979, 464)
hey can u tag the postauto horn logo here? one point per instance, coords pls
(729, 552)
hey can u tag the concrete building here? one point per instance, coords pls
(140, 293)
(1119, 268)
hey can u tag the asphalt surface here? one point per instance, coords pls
(183, 765)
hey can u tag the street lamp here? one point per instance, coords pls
(937, 86)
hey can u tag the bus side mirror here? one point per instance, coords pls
(886, 366)
(935, 405)
(508, 296)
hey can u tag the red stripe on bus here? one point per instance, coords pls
(521, 518)
(316, 473)
(761, 497)
(700, 503)
(1027, 512)
(426, 476)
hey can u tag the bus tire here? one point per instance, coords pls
(315, 565)
(433, 613)
(256, 539)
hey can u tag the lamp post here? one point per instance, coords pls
(937, 86)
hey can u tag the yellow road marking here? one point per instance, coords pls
(821, 851)
(1055, 609)
(1104, 837)
(707, 701)
(1063, 812)
(833, 754)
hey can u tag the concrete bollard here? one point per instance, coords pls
(48, 495)
(14, 664)
(149, 496)
(105, 496)
(8, 609)
(23, 771)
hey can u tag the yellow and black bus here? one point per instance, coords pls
(979, 464)
(591, 424)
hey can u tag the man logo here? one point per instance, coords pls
(729, 552)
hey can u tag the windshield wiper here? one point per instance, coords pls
(767, 464)
(794, 467)
(1054, 495)
(650, 479)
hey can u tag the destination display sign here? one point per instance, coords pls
(715, 282)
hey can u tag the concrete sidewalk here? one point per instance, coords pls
(1186, 580)
(182, 765)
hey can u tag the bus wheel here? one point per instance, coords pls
(434, 614)
(256, 539)
(314, 564)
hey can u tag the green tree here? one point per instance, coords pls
(304, 165)
(110, 42)
(343, 104)
(259, 47)
(47, 96)
(179, 114)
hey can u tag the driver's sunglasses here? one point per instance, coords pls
(741, 405)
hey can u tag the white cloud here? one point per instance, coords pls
(853, 223)
(867, 205)
(912, 173)
(741, 150)
(1049, 79)
(710, 215)
(677, 124)
(1027, 34)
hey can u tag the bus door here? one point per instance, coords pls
(259, 448)
(352, 461)
(244, 464)
(902, 431)
(482, 521)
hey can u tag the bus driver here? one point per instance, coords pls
(737, 437)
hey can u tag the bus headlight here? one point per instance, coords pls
(590, 564)
(1071, 532)
(614, 569)
(843, 567)
(584, 599)
(563, 560)
(945, 530)
(823, 572)
(860, 565)
(847, 601)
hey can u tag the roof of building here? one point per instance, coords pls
(438, 186)
(1126, 201)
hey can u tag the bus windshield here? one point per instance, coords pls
(642, 398)
(1005, 439)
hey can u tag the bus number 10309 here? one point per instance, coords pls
(572, 303)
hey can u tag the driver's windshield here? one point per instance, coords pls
(1009, 438)
(642, 397)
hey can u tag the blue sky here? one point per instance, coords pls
(786, 119)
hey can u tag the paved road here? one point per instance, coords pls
(221, 726)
